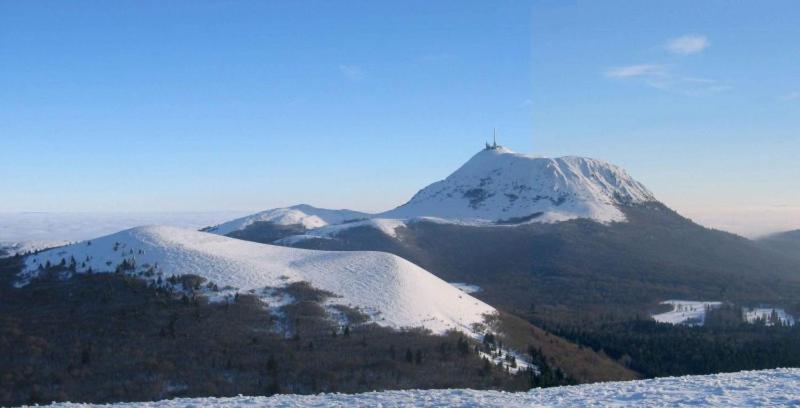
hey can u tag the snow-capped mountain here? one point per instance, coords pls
(307, 216)
(495, 187)
(392, 291)
(500, 186)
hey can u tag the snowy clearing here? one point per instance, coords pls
(767, 388)
(769, 315)
(688, 312)
(392, 291)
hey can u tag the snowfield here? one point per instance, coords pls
(767, 388)
(392, 291)
(688, 312)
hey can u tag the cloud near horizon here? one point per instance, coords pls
(687, 44)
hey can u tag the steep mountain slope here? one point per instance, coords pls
(393, 291)
(500, 186)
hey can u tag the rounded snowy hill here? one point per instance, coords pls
(498, 185)
(307, 216)
(394, 292)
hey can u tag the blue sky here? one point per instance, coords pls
(237, 105)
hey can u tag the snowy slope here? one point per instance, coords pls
(307, 216)
(500, 185)
(395, 292)
(766, 388)
(688, 312)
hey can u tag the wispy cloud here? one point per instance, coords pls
(630, 71)
(351, 72)
(663, 78)
(687, 44)
(689, 86)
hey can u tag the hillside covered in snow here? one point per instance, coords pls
(392, 291)
(765, 388)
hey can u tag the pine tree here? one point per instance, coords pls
(463, 346)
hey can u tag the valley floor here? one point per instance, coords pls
(747, 388)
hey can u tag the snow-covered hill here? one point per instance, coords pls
(766, 388)
(393, 291)
(498, 185)
(305, 215)
(495, 187)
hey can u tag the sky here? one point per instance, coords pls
(133, 106)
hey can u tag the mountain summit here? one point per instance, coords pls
(498, 185)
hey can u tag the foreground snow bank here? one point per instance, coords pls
(748, 388)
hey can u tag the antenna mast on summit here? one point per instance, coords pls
(494, 137)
